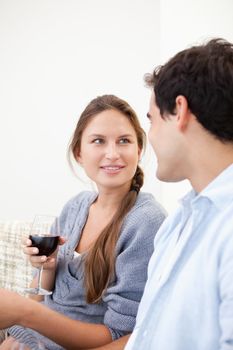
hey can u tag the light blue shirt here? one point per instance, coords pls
(188, 299)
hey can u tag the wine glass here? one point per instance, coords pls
(44, 235)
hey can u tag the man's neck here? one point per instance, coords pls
(210, 161)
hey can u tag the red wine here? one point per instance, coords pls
(46, 244)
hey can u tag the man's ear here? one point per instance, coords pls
(182, 112)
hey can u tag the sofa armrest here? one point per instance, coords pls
(15, 270)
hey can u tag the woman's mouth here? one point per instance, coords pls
(112, 169)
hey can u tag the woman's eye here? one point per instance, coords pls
(98, 141)
(124, 140)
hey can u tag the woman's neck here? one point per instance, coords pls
(110, 200)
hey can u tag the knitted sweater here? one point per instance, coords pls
(118, 307)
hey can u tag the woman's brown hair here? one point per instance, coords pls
(100, 259)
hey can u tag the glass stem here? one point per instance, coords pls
(40, 277)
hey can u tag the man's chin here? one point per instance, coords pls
(168, 177)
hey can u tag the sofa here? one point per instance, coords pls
(15, 270)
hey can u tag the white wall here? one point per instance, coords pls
(56, 55)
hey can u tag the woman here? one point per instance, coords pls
(98, 275)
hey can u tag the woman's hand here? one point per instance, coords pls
(49, 262)
(10, 343)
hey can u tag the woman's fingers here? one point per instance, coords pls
(25, 241)
(62, 240)
(30, 250)
(35, 260)
(9, 344)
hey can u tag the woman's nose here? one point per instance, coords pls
(112, 151)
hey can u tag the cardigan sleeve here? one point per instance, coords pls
(134, 249)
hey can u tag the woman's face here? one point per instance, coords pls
(109, 151)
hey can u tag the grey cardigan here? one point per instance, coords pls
(119, 304)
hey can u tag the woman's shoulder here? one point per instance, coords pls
(82, 198)
(143, 220)
(76, 207)
(78, 203)
(146, 204)
(141, 225)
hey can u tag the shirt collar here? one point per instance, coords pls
(219, 191)
(186, 203)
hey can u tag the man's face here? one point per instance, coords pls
(166, 140)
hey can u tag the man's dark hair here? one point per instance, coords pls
(204, 76)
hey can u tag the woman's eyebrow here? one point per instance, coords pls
(96, 135)
(126, 135)
(102, 136)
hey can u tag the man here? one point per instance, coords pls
(188, 299)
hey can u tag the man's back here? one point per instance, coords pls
(185, 301)
(188, 299)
